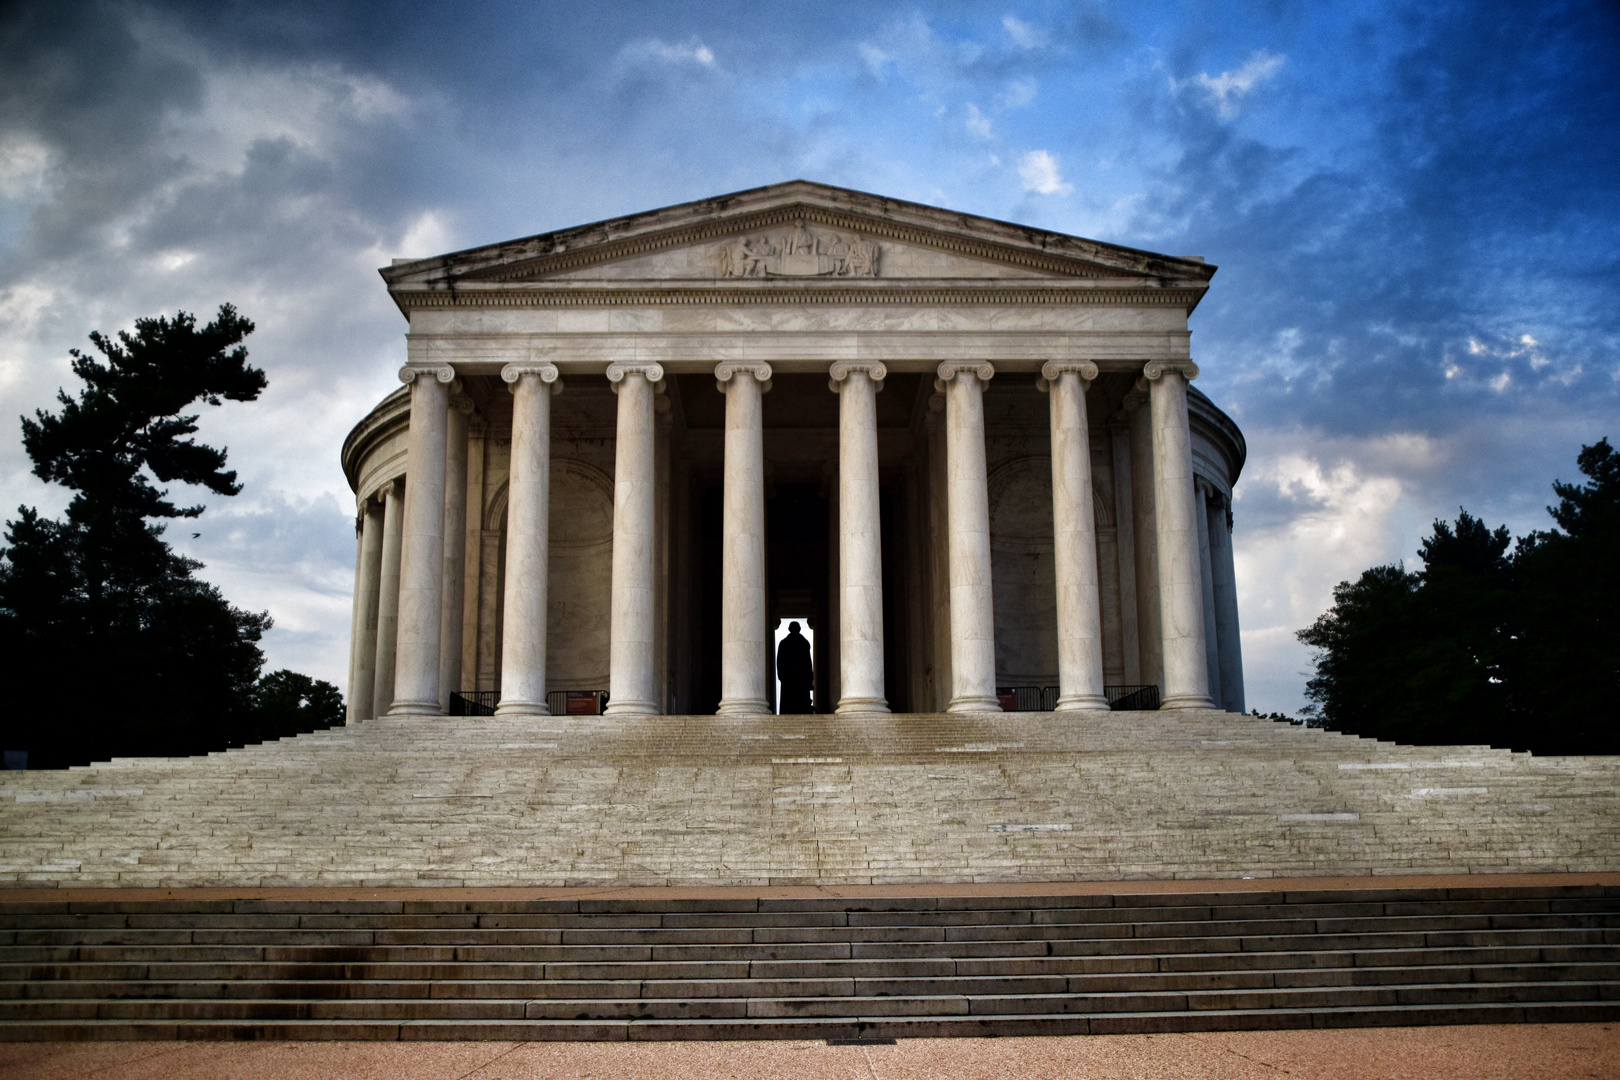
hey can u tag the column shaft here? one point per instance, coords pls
(421, 568)
(860, 548)
(1227, 631)
(528, 521)
(382, 695)
(1181, 600)
(632, 673)
(455, 549)
(1074, 523)
(742, 601)
(363, 640)
(973, 625)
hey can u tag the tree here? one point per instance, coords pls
(286, 702)
(116, 647)
(1568, 661)
(1481, 646)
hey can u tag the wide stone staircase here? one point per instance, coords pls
(741, 966)
(568, 801)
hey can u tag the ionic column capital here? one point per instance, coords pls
(442, 372)
(1154, 370)
(950, 369)
(654, 374)
(546, 373)
(844, 368)
(1053, 370)
(463, 404)
(724, 371)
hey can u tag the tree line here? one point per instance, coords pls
(1511, 643)
(115, 646)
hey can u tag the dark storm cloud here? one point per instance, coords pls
(1414, 207)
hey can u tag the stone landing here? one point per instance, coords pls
(1021, 797)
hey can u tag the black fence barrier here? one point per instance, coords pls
(1044, 698)
(474, 702)
(1132, 698)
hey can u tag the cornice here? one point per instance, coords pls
(798, 295)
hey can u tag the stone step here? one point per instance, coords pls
(1588, 1011)
(384, 1009)
(1002, 985)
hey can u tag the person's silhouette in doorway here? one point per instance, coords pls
(795, 670)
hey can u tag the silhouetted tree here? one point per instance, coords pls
(114, 646)
(1480, 646)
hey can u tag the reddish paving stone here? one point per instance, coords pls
(1498, 1052)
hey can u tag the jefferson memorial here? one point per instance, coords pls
(967, 454)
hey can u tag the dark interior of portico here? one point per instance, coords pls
(801, 455)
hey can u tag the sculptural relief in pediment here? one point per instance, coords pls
(799, 251)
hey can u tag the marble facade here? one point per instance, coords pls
(968, 453)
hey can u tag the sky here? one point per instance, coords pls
(1415, 208)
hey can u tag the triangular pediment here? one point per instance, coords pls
(796, 231)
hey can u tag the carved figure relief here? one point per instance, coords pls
(799, 252)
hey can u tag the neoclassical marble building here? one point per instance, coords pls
(966, 452)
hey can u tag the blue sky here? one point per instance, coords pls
(1415, 208)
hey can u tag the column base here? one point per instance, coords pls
(522, 708)
(1082, 703)
(1187, 701)
(630, 708)
(863, 705)
(745, 707)
(974, 704)
(416, 708)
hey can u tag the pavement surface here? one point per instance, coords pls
(1496, 1052)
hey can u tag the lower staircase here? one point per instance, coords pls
(758, 967)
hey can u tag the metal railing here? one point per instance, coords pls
(1132, 698)
(1044, 698)
(560, 702)
(576, 702)
(474, 702)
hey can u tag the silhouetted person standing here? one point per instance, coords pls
(795, 670)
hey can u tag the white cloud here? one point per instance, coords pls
(1039, 172)
(691, 51)
(1309, 514)
(425, 236)
(978, 123)
(1226, 90)
(24, 163)
(873, 57)
(1024, 35)
(1019, 92)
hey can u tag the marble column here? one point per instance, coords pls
(382, 693)
(1074, 525)
(1227, 637)
(973, 622)
(743, 637)
(421, 566)
(363, 639)
(455, 548)
(632, 672)
(1206, 574)
(1181, 601)
(860, 549)
(528, 521)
